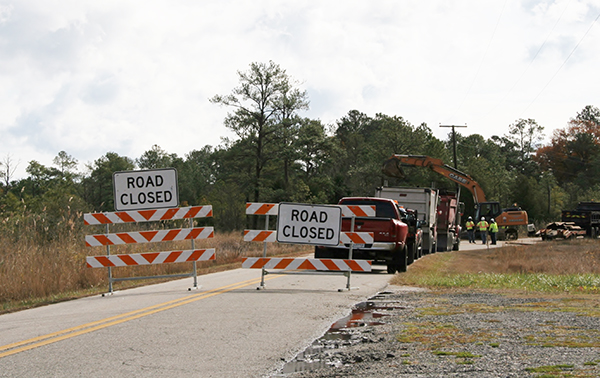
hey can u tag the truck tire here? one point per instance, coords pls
(412, 253)
(401, 259)
(456, 245)
(511, 234)
(391, 268)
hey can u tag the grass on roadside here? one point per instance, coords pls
(550, 267)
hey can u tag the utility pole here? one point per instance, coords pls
(458, 215)
(453, 141)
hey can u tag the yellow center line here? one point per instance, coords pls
(118, 319)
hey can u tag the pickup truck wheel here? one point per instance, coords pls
(391, 268)
(401, 259)
(412, 253)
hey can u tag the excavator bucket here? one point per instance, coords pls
(392, 167)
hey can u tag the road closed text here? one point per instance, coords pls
(145, 189)
(308, 224)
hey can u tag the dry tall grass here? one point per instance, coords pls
(581, 256)
(36, 270)
(555, 265)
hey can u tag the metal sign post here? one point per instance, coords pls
(263, 272)
(110, 277)
(349, 273)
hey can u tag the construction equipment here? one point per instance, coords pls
(507, 219)
(587, 216)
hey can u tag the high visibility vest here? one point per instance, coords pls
(483, 225)
(494, 227)
(469, 225)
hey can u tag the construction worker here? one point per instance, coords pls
(470, 225)
(482, 226)
(493, 230)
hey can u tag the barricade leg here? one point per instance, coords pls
(263, 272)
(110, 278)
(195, 271)
(349, 273)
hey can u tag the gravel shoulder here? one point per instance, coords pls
(410, 332)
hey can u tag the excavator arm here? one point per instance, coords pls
(393, 168)
(507, 219)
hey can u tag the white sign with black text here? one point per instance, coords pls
(309, 224)
(151, 189)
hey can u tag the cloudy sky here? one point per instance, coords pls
(89, 77)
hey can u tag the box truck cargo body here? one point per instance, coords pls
(425, 201)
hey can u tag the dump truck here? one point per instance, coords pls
(586, 215)
(425, 202)
(448, 223)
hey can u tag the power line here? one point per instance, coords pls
(532, 60)
(561, 66)
(482, 59)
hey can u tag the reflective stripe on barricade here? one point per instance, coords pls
(345, 237)
(260, 236)
(149, 236)
(148, 215)
(253, 208)
(357, 237)
(336, 265)
(347, 210)
(358, 210)
(150, 258)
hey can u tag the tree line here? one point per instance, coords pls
(280, 156)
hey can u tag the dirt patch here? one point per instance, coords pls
(462, 334)
(472, 332)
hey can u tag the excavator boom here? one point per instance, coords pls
(393, 167)
(506, 218)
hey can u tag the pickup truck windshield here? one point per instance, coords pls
(382, 209)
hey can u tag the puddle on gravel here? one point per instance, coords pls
(346, 331)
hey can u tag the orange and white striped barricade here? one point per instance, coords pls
(150, 258)
(137, 237)
(319, 265)
(265, 236)
(323, 265)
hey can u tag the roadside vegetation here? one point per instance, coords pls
(277, 155)
(36, 272)
(547, 267)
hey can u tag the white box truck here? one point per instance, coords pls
(425, 201)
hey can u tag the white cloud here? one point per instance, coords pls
(93, 77)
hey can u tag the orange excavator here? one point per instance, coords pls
(507, 219)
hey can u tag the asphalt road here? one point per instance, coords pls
(227, 328)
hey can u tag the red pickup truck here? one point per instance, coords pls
(389, 231)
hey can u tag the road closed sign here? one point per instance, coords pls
(309, 224)
(151, 189)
